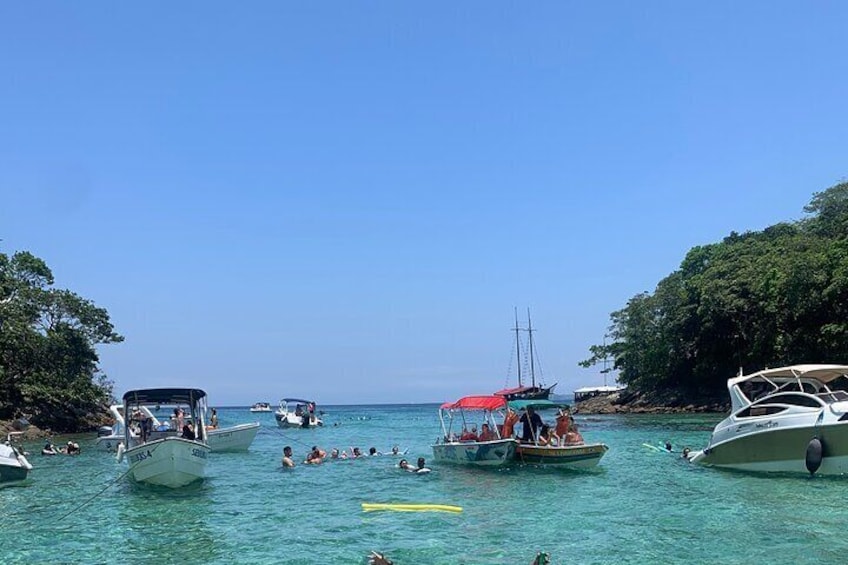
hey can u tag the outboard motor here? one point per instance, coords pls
(103, 431)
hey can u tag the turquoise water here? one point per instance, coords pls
(638, 506)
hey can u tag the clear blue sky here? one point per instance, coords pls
(346, 200)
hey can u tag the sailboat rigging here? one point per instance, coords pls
(534, 391)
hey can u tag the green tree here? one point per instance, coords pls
(756, 299)
(48, 361)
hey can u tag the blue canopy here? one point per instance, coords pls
(298, 400)
(537, 404)
(164, 396)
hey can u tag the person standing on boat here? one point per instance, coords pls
(563, 426)
(510, 419)
(532, 422)
(213, 420)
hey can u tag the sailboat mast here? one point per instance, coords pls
(517, 347)
(530, 340)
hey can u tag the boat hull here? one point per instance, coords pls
(12, 473)
(781, 450)
(171, 462)
(571, 456)
(235, 438)
(481, 454)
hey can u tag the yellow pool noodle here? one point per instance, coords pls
(371, 507)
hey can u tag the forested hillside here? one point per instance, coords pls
(48, 361)
(768, 298)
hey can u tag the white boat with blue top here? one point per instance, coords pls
(166, 457)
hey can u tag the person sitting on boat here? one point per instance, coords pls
(287, 457)
(510, 419)
(546, 435)
(188, 432)
(145, 426)
(532, 422)
(486, 433)
(469, 435)
(573, 437)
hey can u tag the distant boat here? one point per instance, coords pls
(586, 392)
(261, 407)
(522, 392)
(297, 413)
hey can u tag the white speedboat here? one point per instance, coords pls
(467, 448)
(297, 413)
(790, 419)
(14, 466)
(232, 438)
(166, 457)
(261, 407)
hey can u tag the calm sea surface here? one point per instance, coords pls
(638, 506)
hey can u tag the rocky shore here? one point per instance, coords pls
(640, 403)
(30, 432)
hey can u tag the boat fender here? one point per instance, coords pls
(814, 455)
(121, 449)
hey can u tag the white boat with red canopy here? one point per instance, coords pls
(169, 458)
(460, 445)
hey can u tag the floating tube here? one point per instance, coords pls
(372, 507)
(654, 447)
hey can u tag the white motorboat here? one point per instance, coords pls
(166, 457)
(261, 407)
(297, 413)
(791, 419)
(14, 466)
(232, 438)
(467, 448)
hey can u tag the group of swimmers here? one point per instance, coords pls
(72, 448)
(317, 455)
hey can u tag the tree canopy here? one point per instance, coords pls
(758, 299)
(48, 362)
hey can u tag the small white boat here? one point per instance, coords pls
(490, 451)
(297, 413)
(232, 438)
(261, 407)
(790, 419)
(162, 457)
(14, 466)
